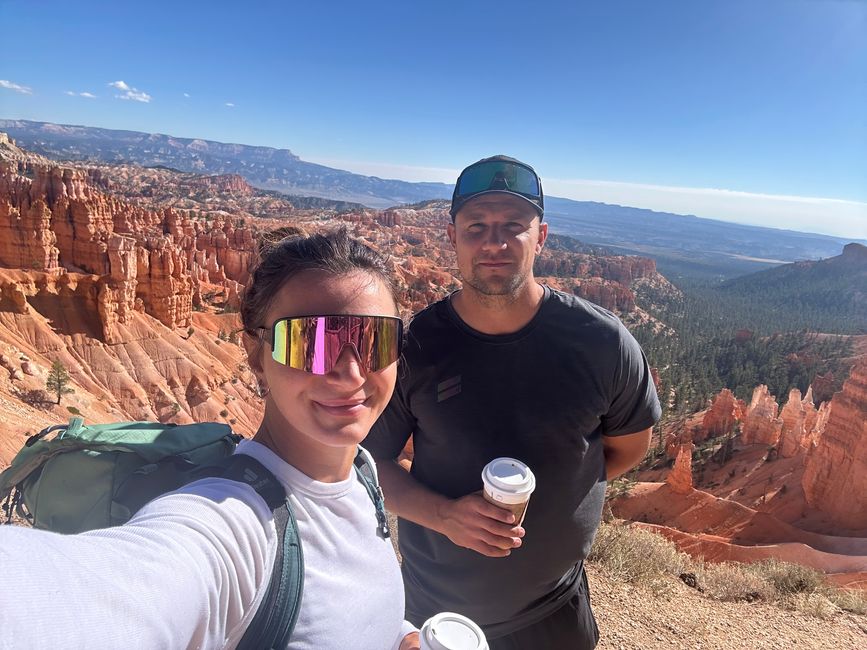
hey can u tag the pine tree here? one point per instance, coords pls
(58, 380)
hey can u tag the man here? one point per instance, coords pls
(508, 367)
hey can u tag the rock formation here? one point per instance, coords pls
(54, 219)
(835, 478)
(815, 432)
(793, 430)
(761, 424)
(680, 476)
(390, 217)
(798, 420)
(724, 413)
(617, 268)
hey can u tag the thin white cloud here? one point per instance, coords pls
(18, 88)
(133, 94)
(137, 96)
(70, 93)
(187, 95)
(230, 105)
(838, 217)
(87, 95)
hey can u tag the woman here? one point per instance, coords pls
(190, 569)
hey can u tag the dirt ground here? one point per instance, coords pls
(633, 618)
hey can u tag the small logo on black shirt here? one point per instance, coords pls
(448, 388)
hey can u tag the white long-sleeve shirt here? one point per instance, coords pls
(190, 569)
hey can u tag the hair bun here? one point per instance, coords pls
(270, 239)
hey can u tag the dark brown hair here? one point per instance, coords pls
(282, 257)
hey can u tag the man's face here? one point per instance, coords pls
(496, 238)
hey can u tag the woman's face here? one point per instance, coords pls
(336, 409)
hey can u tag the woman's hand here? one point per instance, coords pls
(410, 642)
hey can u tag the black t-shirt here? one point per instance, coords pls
(544, 395)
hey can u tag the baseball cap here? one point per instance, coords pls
(498, 174)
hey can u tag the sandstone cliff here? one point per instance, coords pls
(111, 289)
(835, 479)
(52, 219)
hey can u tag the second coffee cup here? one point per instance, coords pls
(450, 631)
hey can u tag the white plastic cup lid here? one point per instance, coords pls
(450, 631)
(510, 476)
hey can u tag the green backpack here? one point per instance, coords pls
(97, 476)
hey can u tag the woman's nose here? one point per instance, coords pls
(348, 365)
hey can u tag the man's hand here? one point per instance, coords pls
(410, 642)
(469, 521)
(480, 526)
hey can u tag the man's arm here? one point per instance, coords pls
(622, 453)
(469, 521)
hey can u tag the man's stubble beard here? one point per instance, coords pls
(502, 292)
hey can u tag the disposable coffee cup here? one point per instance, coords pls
(450, 631)
(509, 484)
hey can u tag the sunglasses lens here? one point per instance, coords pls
(497, 175)
(314, 343)
(383, 344)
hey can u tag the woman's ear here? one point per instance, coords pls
(254, 346)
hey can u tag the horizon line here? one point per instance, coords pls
(759, 209)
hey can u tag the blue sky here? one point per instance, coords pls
(746, 110)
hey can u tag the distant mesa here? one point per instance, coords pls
(857, 252)
(263, 167)
(832, 291)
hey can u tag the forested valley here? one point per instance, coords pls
(713, 339)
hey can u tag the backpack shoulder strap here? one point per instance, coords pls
(274, 621)
(366, 470)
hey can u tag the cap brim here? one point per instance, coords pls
(455, 209)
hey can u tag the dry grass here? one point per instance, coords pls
(812, 603)
(639, 556)
(850, 600)
(731, 582)
(788, 579)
